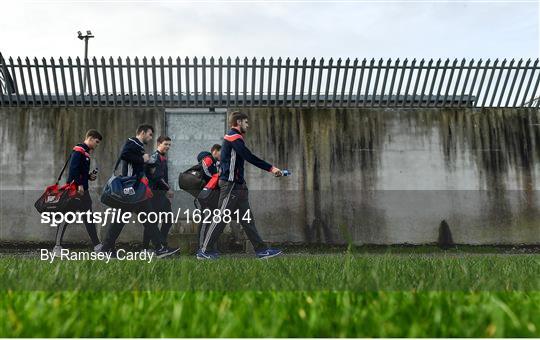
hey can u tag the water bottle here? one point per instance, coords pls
(286, 172)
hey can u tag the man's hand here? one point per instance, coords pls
(170, 194)
(92, 177)
(80, 190)
(146, 157)
(277, 172)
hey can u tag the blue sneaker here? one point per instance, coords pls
(268, 253)
(206, 255)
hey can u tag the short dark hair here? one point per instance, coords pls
(215, 147)
(144, 128)
(94, 134)
(235, 116)
(162, 139)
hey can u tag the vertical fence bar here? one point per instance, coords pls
(38, 78)
(55, 82)
(63, 76)
(433, 81)
(529, 82)
(30, 80)
(212, 103)
(416, 83)
(23, 81)
(401, 76)
(138, 80)
(269, 91)
(261, 82)
(328, 80)
(449, 84)
(203, 76)
(368, 81)
(319, 80)
(145, 74)
(171, 82)
(360, 80)
(311, 78)
(295, 73)
(385, 79)
(501, 69)
(105, 85)
(15, 83)
(179, 80)
(441, 82)
(353, 78)
(456, 87)
(376, 85)
(188, 92)
(522, 79)
(465, 82)
(480, 88)
(81, 85)
(484, 71)
(220, 81)
(286, 82)
(518, 67)
(336, 82)
(344, 81)
(96, 76)
(162, 81)
(236, 80)
(228, 81)
(503, 88)
(253, 75)
(392, 82)
(471, 90)
(407, 86)
(244, 82)
(47, 81)
(89, 79)
(424, 84)
(302, 81)
(154, 93)
(113, 80)
(121, 79)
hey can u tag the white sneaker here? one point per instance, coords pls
(98, 248)
(57, 250)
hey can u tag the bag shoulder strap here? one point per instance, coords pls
(63, 168)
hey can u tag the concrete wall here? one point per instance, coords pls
(369, 175)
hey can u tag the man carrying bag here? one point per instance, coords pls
(133, 158)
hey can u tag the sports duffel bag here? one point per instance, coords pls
(192, 180)
(57, 198)
(125, 192)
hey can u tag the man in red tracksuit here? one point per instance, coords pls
(233, 189)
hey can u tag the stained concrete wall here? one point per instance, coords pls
(368, 175)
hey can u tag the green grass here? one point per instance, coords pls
(338, 295)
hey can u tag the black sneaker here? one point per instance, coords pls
(165, 251)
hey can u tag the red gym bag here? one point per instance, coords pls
(57, 198)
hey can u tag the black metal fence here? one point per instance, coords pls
(194, 82)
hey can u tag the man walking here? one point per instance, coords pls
(79, 173)
(134, 157)
(157, 172)
(233, 189)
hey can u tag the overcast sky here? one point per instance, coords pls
(265, 28)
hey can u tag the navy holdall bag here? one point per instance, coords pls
(125, 192)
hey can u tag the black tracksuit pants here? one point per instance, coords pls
(233, 196)
(82, 204)
(116, 228)
(160, 203)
